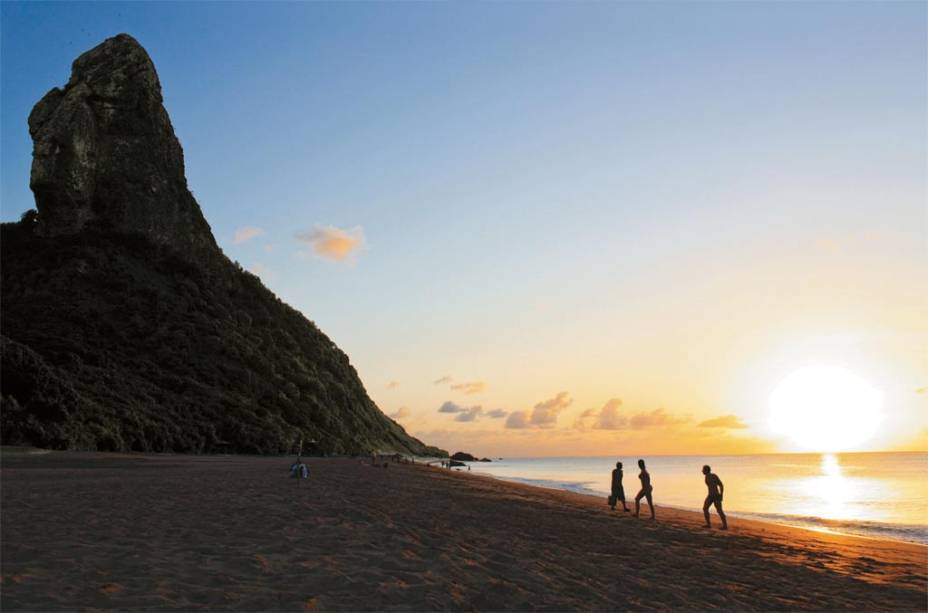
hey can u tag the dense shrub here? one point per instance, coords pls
(110, 342)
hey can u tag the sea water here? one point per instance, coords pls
(880, 495)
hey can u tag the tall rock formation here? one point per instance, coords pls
(105, 153)
(123, 325)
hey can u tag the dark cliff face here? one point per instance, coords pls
(123, 325)
(105, 154)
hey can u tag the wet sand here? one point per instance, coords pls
(137, 532)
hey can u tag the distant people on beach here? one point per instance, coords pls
(618, 491)
(645, 491)
(716, 490)
(299, 470)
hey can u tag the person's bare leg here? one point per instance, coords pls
(705, 511)
(650, 504)
(718, 507)
(638, 503)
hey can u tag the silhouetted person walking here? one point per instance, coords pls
(618, 491)
(645, 489)
(299, 470)
(716, 490)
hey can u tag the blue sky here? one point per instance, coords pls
(609, 199)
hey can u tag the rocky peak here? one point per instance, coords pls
(105, 154)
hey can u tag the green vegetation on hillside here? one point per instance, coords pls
(110, 342)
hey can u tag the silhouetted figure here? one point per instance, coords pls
(618, 492)
(299, 470)
(645, 490)
(716, 490)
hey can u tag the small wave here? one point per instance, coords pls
(912, 533)
(577, 487)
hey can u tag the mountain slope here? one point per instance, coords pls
(123, 325)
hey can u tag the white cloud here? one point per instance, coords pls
(657, 417)
(331, 243)
(608, 418)
(469, 414)
(470, 387)
(467, 387)
(462, 413)
(246, 233)
(400, 413)
(450, 407)
(544, 414)
(726, 421)
(262, 271)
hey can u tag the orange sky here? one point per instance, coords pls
(609, 227)
(692, 376)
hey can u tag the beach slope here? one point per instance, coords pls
(145, 532)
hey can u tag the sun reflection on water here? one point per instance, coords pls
(832, 494)
(864, 493)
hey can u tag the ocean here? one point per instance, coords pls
(879, 495)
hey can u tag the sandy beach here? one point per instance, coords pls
(142, 532)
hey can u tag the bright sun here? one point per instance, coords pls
(825, 408)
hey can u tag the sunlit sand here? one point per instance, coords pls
(135, 532)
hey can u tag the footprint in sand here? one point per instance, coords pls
(263, 563)
(110, 588)
(393, 584)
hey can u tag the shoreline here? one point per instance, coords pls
(740, 515)
(171, 532)
(595, 499)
